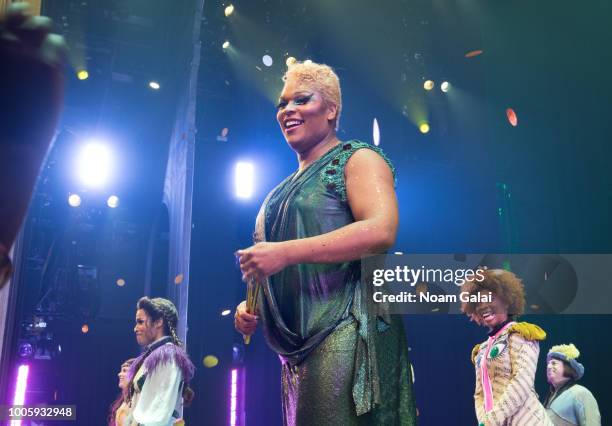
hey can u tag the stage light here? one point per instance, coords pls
(375, 133)
(210, 361)
(85, 329)
(238, 353)
(229, 10)
(308, 61)
(225, 44)
(26, 350)
(428, 85)
(82, 75)
(226, 312)
(243, 179)
(20, 388)
(424, 128)
(74, 200)
(113, 202)
(154, 85)
(290, 61)
(445, 86)
(233, 396)
(267, 60)
(94, 164)
(120, 282)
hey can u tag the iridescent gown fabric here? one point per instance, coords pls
(343, 362)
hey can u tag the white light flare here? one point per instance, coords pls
(375, 132)
(244, 179)
(95, 165)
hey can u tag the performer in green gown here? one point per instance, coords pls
(343, 361)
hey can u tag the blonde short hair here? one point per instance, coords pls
(321, 78)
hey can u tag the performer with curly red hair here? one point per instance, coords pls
(506, 362)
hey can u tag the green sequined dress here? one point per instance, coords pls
(342, 363)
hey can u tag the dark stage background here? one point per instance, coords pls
(548, 60)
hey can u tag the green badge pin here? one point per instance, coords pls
(494, 352)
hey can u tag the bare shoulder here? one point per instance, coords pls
(368, 161)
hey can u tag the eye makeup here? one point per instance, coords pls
(298, 100)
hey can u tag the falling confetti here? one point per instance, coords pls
(473, 53)
(210, 361)
(178, 279)
(421, 288)
(512, 119)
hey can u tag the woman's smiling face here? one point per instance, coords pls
(305, 118)
(494, 313)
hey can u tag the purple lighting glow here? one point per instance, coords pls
(233, 397)
(20, 389)
(237, 415)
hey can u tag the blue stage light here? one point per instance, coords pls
(112, 202)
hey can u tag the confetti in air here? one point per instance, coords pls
(473, 53)
(512, 118)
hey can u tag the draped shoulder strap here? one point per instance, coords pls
(333, 173)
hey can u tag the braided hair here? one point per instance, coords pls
(157, 308)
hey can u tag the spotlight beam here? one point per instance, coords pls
(94, 165)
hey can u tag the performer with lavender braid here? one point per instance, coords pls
(158, 379)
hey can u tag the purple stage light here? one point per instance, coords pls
(237, 379)
(233, 396)
(20, 389)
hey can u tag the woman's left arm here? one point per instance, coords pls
(371, 197)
